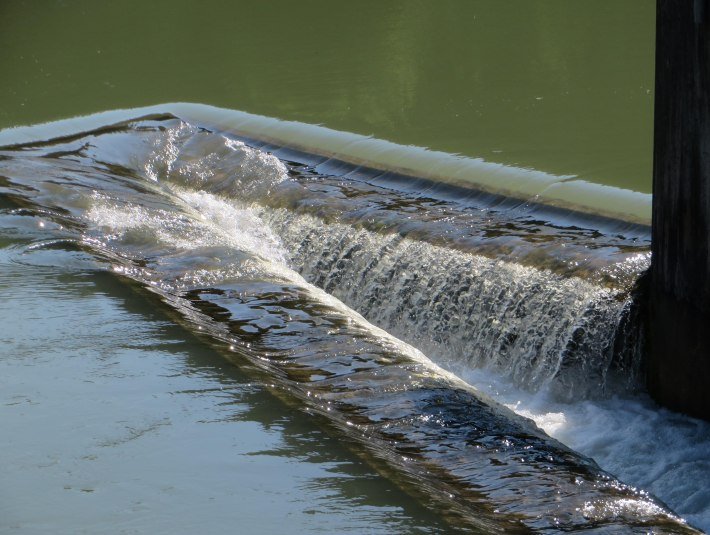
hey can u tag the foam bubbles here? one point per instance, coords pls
(206, 241)
(240, 227)
(666, 453)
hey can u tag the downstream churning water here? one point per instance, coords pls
(427, 318)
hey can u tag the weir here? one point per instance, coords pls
(526, 287)
(332, 148)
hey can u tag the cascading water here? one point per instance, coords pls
(466, 310)
(472, 286)
(292, 264)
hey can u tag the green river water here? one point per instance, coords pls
(119, 416)
(562, 87)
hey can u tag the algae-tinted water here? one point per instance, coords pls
(559, 87)
(563, 87)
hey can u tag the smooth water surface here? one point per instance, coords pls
(562, 87)
(147, 429)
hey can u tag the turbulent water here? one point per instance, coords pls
(338, 279)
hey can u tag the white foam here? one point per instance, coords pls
(665, 453)
(239, 226)
(210, 222)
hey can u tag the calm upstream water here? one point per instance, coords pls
(215, 320)
(558, 86)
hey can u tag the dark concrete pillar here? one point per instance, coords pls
(679, 307)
